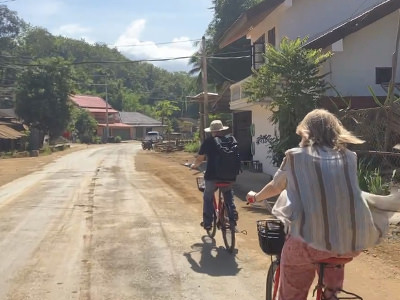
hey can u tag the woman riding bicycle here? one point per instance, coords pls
(320, 203)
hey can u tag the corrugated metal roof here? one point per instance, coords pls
(9, 133)
(8, 113)
(101, 110)
(84, 101)
(135, 118)
(115, 125)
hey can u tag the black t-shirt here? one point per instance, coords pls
(209, 148)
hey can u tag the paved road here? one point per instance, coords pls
(90, 226)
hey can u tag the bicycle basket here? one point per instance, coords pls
(201, 185)
(271, 236)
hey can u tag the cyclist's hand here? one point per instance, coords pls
(251, 197)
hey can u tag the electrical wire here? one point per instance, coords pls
(146, 44)
(125, 61)
(220, 74)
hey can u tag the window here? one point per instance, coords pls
(383, 75)
(258, 50)
(271, 37)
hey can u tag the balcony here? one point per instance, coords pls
(239, 99)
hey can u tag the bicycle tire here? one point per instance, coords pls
(270, 285)
(228, 230)
(213, 230)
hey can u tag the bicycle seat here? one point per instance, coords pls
(222, 184)
(336, 260)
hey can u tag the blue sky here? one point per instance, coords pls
(122, 23)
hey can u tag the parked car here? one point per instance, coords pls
(153, 136)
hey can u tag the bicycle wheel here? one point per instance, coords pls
(272, 281)
(228, 230)
(213, 230)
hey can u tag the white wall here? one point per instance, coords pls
(309, 17)
(353, 70)
(263, 127)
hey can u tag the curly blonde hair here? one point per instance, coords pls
(320, 127)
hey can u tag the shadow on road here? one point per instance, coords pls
(214, 261)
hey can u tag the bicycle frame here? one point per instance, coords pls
(319, 288)
(221, 218)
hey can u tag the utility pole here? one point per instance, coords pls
(204, 75)
(107, 132)
(391, 99)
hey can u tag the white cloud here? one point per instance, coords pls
(129, 43)
(72, 30)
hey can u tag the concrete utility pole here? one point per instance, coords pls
(204, 75)
(392, 83)
(107, 132)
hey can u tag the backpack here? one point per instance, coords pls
(227, 165)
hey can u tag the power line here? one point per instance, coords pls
(125, 61)
(146, 44)
(219, 73)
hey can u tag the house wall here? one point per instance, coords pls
(263, 128)
(301, 18)
(352, 70)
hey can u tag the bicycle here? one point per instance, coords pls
(221, 215)
(271, 237)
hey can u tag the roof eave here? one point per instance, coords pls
(247, 20)
(354, 25)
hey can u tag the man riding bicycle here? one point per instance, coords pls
(208, 150)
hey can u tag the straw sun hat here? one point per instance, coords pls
(215, 126)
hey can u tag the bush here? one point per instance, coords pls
(117, 139)
(371, 180)
(96, 140)
(192, 147)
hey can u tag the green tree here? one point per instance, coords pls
(291, 78)
(85, 125)
(42, 97)
(164, 109)
(10, 28)
(226, 12)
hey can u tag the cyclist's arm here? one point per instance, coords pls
(199, 159)
(268, 191)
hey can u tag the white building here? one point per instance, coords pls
(360, 33)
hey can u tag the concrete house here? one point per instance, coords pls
(141, 124)
(105, 115)
(360, 33)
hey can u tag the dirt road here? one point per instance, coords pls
(116, 222)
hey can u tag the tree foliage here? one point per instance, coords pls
(291, 79)
(83, 124)
(130, 85)
(226, 13)
(42, 97)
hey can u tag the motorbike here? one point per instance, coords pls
(147, 145)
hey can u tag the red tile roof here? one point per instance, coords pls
(116, 125)
(101, 110)
(89, 101)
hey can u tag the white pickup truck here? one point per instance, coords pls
(153, 136)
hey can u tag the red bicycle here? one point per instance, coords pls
(221, 215)
(271, 237)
